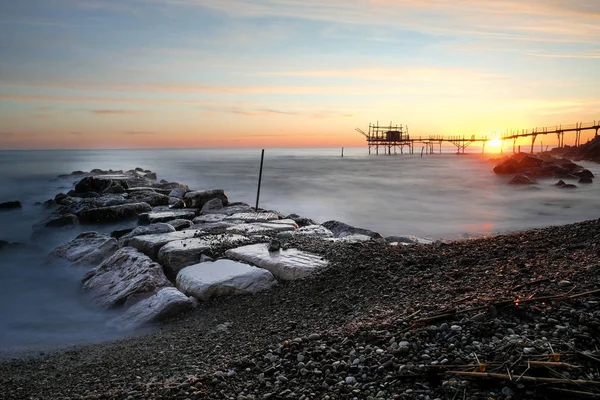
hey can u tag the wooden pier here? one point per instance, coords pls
(394, 138)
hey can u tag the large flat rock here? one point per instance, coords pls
(165, 216)
(125, 275)
(223, 278)
(179, 254)
(253, 216)
(280, 225)
(165, 303)
(287, 264)
(151, 244)
(314, 231)
(152, 229)
(89, 249)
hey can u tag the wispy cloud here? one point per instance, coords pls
(593, 54)
(114, 112)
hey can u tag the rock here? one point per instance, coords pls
(134, 190)
(407, 239)
(340, 229)
(57, 221)
(561, 184)
(301, 221)
(585, 180)
(274, 245)
(112, 213)
(209, 218)
(175, 203)
(253, 217)
(126, 273)
(180, 224)
(100, 185)
(119, 233)
(522, 179)
(277, 226)
(150, 197)
(10, 205)
(288, 264)
(313, 231)
(166, 216)
(564, 284)
(197, 199)
(179, 254)
(150, 175)
(222, 278)
(177, 192)
(212, 205)
(232, 209)
(584, 173)
(89, 249)
(151, 244)
(165, 303)
(151, 229)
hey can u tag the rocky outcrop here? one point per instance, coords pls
(198, 198)
(89, 249)
(166, 216)
(340, 229)
(563, 185)
(280, 225)
(100, 185)
(288, 264)
(314, 231)
(151, 244)
(179, 254)
(150, 197)
(528, 167)
(152, 229)
(301, 221)
(10, 205)
(113, 213)
(166, 303)
(249, 217)
(231, 209)
(223, 278)
(522, 179)
(126, 274)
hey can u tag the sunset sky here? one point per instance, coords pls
(264, 73)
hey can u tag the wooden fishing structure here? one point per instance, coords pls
(394, 138)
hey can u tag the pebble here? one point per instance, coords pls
(456, 328)
(350, 380)
(564, 284)
(314, 336)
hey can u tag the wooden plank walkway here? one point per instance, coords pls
(395, 137)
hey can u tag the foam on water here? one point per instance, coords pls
(436, 196)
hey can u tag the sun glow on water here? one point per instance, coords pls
(494, 144)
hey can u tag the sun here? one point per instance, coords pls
(495, 143)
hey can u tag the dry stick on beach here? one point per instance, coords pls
(524, 378)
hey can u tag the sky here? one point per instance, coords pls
(279, 73)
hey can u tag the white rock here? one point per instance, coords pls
(151, 244)
(253, 217)
(166, 216)
(178, 254)
(287, 264)
(89, 248)
(222, 278)
(152, 229)
(278, 226)
(167, 302)
(314, 230)
(128, 273)
(353, 238)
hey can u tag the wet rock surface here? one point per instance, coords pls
(87, 249)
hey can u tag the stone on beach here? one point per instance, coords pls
(231, 209)
(279, 225)
(152, 229)
(223, 278)
(212, 205)
(165, 303)
(314, 231)
(113, 213)
(151, 244)
(150, 197)
(209, 218)
(89, 248)
(166, 216)
(341, 229)
(177, 192)
(180, 224)
(126, 274)
(288, 264)
(253, 217)
(197, 199)
(179, 254)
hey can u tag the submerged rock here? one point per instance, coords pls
(165, 303)
(563, 185)
(10, 205)
(147, 230)
(522, 179)
(127, 273)
(285, 264)
(223, 278)
(89, 248)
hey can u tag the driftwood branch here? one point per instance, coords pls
(531, 379)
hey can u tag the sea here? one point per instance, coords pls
(441, 196)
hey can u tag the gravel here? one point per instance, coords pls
(391, 322)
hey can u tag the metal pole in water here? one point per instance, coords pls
(422, 148)
(342, 152)
(262, 157)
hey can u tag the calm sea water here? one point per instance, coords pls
(435, 196)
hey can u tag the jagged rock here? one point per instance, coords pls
(151, 244)
(126, 273)
(585, 180)
(522, 179)
(222, 278)
(277, 226)
(175, 203)
(113, 213)
(340, 229)
(165, 303)
(166, 216)
(301, 221)
(198, 198)
(563, 185)
(232, 209)
(152, 229)
(584, 173)
(148, 189)
(286, 264)
(508, 166)
(177, 192)
(170, 185)
(10, 205)
(57, 221)
(253, 217)
(180, 224)
(119, 233)
(100, 185)
(212, 206)
(150, 175)
(314, 230)
(179, 254)
(209, 218)
(89, 248)
(150, 197)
